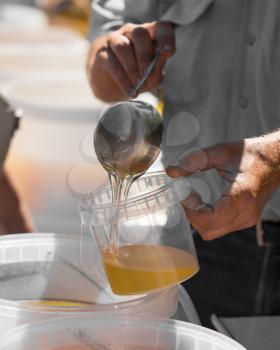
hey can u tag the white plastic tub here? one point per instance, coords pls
(52, 157)
(49, 52)
(43, 39)
(57, 268)
(120, 334)
(19, 62)
(21, 17)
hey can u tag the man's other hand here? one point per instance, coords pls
(252, 170)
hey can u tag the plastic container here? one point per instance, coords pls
(49, 52)
(155, 247)
(112, 334)
(44, 39)
(19, 62)
(22, 17)
(69, 278)
(52, 157)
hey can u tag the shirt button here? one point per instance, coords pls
(244, 102)
(251, 39)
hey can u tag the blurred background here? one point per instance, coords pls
(43, 53)
(73, 14)
(43, 50)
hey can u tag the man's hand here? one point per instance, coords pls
(13, 218)
(118, 60)
(252, 169)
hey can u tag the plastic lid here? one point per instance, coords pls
(149, 193)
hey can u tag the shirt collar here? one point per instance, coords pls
(184, 12)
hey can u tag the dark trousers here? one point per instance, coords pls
(237, 277)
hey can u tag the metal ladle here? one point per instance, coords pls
(127, 141)
(128, 138)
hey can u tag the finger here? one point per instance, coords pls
(216, 221)
(234, 210)
(155, 76)
(190, 163)
(143, 48)
(112, 65)
(201, 160)
(163, 34)
(193, 201)
(124, 52)
(211, 234)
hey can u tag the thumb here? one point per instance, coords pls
(199, 160)
(164, 36)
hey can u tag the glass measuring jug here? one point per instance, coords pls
(156, 248)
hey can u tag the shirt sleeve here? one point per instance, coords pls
(109, 15)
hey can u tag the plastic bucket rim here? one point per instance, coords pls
(166, 325)
(148, 298)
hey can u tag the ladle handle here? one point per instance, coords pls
(146, 74)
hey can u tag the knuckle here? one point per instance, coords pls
(102, 55)
(140, 33)
(127, 28)
(119, 43)
(121, 46)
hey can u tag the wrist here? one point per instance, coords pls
(266, 150)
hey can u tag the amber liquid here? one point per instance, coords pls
(54, 303)
(134, 269)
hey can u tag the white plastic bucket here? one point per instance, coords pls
(22, 17)
(49, 52)
(47, 267)
(47, 38)
(52, 157)
(120, 334)
(20, 62)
